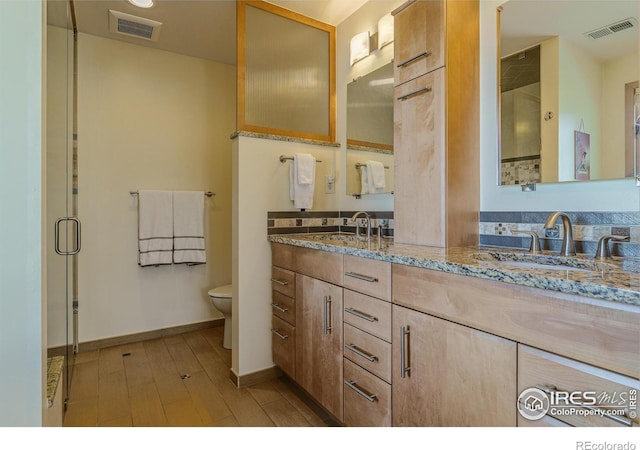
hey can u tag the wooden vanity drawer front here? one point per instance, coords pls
(368, 351)
(283, 342)
(539, 368)
(368, 314)
(317, 264)
(283, 281)
(360, 411)
(419, 39)
(284, 307)
(368, 276)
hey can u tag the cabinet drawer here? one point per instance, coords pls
(367, 399)
(553, 373)
(419, 39)
(368, 276)
(283, 281)
(368, 314)
(368, 351)
(283, 307)
(283, 343)
(326, 266)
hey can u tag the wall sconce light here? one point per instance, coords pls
(359, 47)
(385, 30)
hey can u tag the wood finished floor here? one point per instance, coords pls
(180, 381)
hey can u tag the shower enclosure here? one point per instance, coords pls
(63, 227)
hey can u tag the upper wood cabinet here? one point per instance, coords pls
(422, 49)
(436, 123)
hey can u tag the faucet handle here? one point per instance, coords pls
(604, 252)
(534, 246)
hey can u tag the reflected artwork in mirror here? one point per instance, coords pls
(567, 91)
(370, 131)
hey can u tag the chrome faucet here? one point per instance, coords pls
(604, 252)
(367, 218)
(568, 245)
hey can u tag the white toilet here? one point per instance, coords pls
(221, 299)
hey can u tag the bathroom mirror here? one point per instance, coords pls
(370, 128)
(568, 90)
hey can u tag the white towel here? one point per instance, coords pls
(302, 173)
(155, 228)
(376, 173)
(364, 179)
(188, 228)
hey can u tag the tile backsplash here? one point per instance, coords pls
(495, 227)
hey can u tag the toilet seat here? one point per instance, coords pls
(221, 291)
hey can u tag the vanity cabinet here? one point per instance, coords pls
(436, 123)
(319, 341)
(446, 374)
(307, 325)
(367, 342)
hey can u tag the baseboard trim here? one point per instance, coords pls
(137, 337)
(249, 379)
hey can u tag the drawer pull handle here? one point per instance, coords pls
(414, 58)
(361, 277)
(279, 308)
(281, 336)
(366, 355)
(360, 314)
(352, 385)
(601, 411)
(327, 314)
(280, 282)
(411, 94)
(404, 332)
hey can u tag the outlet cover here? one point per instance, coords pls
(329, 185)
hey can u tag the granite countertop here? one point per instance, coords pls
(617, 279)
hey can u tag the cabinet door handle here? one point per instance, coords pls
(57, 223)
(361, 277)
(366, 355)
(352, 385)
(404, 333)
(416, 92)
(413, 58)
(360, 314)
(327, 314)
(281, 336)
(280, 282)
(600, 411)
(279, 308)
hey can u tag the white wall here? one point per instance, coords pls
(261, 184)
(149, 119)
(22, 264)
(616, 195)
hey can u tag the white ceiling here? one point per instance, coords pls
(200, 28)
(525, 23)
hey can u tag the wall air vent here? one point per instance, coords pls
(128, 25)
(612, 28)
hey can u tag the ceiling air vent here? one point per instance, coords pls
(129, 25)
(613, 28)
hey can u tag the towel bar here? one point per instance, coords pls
(208, 193)
(283, 158)
(358, 165)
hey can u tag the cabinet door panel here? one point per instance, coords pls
(319, 341)
(419, 161)
(283, 343)
(456, 376)
(419, 39)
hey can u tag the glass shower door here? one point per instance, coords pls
(63, 228)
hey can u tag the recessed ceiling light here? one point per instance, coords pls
(142, 3)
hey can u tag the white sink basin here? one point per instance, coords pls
(542, 262)
(539, 266)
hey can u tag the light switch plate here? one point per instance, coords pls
(329, 184)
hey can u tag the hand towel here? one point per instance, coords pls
(302, 193)
(364, 179)
(377, 175)
(188, 228)
(155, 228)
